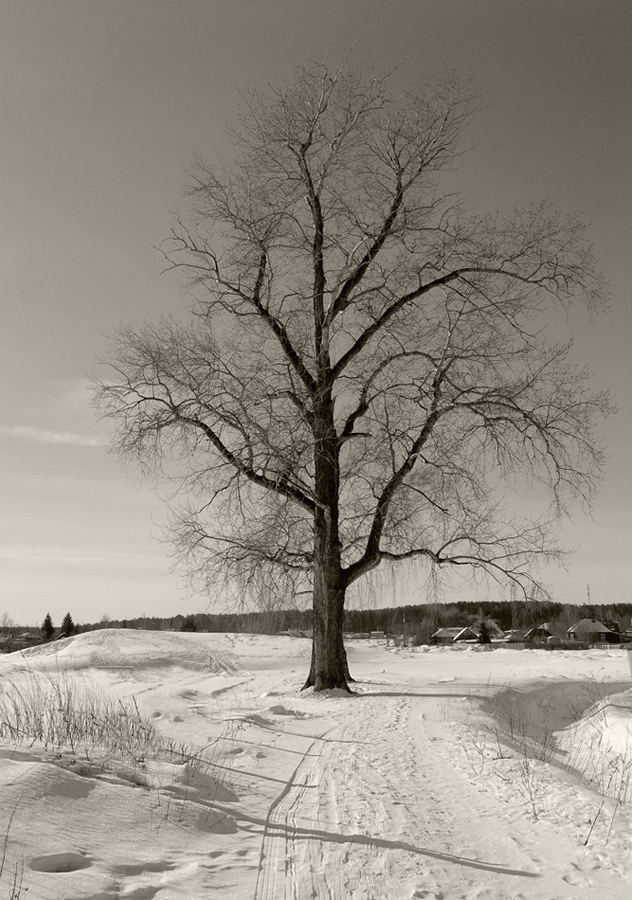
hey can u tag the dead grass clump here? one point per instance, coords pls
(101, 733)
(56, 712)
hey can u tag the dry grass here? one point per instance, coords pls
(56, 712)
(12, 877)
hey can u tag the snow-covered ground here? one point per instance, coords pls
(256, 791)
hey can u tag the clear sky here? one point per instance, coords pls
(102, 103)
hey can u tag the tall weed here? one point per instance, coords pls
(56, 712)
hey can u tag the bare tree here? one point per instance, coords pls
(6, 624)
(364, 364)
(7, 630)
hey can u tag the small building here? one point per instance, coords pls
(540, 633)
(444, 635)
(593, 632)
(454, 635)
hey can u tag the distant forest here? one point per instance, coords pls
(418, 622)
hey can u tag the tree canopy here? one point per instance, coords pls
(363, 364)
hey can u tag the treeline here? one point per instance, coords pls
(416, 622)
(419, 620)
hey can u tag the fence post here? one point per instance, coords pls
(629, 653)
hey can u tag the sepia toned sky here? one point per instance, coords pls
(102, 104)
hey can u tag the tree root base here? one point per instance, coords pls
(323, 685)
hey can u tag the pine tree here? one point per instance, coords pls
(47, 628)
(189, 624)
(67, 626)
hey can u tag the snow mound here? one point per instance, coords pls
(599, 745)
(116, 648)
(606, 725)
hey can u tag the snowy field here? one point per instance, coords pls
(148, 765)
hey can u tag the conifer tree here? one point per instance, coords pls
(189, 624)
(68, 626)
(47, 628)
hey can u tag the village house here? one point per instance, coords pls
(453, 635)
(593, 632)
(542, 632)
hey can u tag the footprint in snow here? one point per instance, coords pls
(60, 862)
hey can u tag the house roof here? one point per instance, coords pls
(469, 629)
(544, 627)
(455, 632)
(589, 626)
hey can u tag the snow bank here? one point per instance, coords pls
(611, 720)
(599, 746)
(121, 648)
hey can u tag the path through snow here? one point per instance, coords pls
(383, 807)
(400, 791)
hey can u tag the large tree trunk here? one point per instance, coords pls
(329, 667)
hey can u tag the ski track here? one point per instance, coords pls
(371, 809)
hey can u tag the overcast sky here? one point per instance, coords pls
(102, 103)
